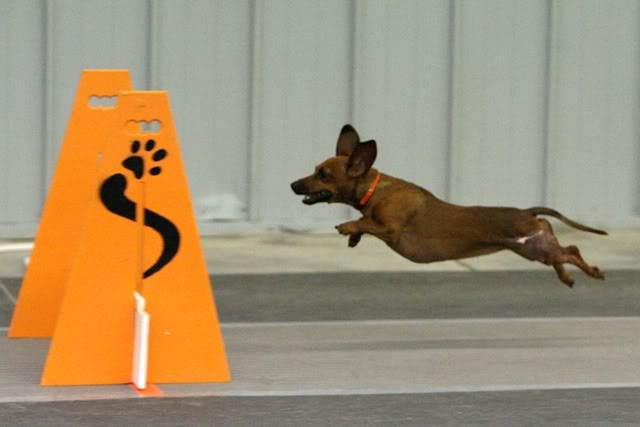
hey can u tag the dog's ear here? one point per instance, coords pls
(347, 141)
(362, 158)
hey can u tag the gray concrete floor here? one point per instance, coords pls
(313, 253)
(321, 334)
(595, 407)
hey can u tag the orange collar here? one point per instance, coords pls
(370, 191)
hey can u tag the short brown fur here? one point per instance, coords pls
(421, 227)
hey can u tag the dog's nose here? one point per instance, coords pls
(297, 186)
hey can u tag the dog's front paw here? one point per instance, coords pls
(347, 228)
(354, 239)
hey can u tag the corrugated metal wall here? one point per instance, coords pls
(482, 101)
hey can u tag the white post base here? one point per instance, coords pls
(140, 343)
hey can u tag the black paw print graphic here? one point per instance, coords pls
(136, 162)
(114, 198)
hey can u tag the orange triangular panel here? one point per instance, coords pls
(142, 171)
(72, 186)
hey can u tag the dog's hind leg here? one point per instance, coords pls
(544, 247)
(574, 257)
(564, 275)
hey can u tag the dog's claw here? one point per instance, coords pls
(597, 273)
(344, 229)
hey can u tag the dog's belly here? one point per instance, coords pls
(426, 250)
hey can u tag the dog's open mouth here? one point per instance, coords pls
(320, 196)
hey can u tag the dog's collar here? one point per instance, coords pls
(370, 191)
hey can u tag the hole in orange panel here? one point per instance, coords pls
(103, 101)
(137, 127)
(154, 126)
(132, 127)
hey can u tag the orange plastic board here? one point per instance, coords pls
(72, 186)
(93, 339)
(141, 172)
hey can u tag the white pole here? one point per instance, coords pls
(140, 343)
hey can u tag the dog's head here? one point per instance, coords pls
(337, 178)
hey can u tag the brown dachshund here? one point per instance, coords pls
(421, 227)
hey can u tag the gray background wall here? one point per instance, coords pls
(482, 101)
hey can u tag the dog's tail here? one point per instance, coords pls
(569, 222)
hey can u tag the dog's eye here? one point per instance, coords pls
(322, 174)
